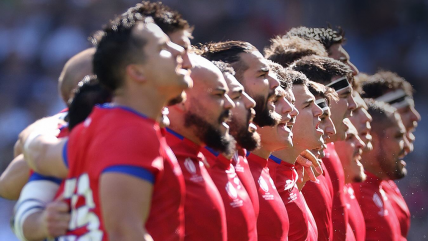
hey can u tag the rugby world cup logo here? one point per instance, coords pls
(190, 166)
(263, 184)
(230, 189)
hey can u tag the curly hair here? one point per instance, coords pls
(280, 74)
(118, 47)
(358, 81)
(383, 82)
(166, 18)
(285, 51)
(225, 68)
(228, 52)
(321, 69)
(326, 36)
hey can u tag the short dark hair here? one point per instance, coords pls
(321, 69)
(280, 74)
(228, 52)
(296, 78)
(166, 18)
(88, 93)
(118, 47)
(319, 90)
(383, 82)
(326, 36)
(224, 67)
(381, 113)
(358, 81)
(285, 51)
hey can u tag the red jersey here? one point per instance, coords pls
(339, 212)
(400, 206)
(240, 217)
(379, 216)
(356, 218)
(285, 178)
(272, 223)
(204, 213)
(242, 169)
(320, 206)
(118, 139)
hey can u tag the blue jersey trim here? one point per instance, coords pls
(135, 171)
(37, 177)
(175, 134)
(275, 159)
(64, 154)
(112, 106)
(248, 153)
(212, 151)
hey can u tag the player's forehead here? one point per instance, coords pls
(288, 94)
(232, 83)
(151, 32)
(181, 37)
(255, 61)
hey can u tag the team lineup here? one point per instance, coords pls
(165, 140)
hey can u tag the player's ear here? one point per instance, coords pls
(136, 72)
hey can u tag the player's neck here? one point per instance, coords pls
(262, 152)
(371, 164)
(148, 104)
(288, 155)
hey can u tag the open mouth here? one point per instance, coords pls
(283, 126)
(290, 124)
(318, 129)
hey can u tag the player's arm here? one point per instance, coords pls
(14, 178)
(36, 217)
(124, 218)
(44, 154)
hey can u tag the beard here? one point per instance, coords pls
(264, 117)
(209, 134)
(250, 140)
(399, 171)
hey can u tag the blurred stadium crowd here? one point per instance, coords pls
(38, 36)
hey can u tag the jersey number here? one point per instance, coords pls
(81, 216)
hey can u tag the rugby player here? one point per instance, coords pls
(338, 76)
(389, 87)
(143, 79)
(390, 145)
(306, 135)
(349, 152)
(240, 215)
(202, 120)
(252, 71)
(179, 31)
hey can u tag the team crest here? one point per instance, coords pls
(289, 184)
